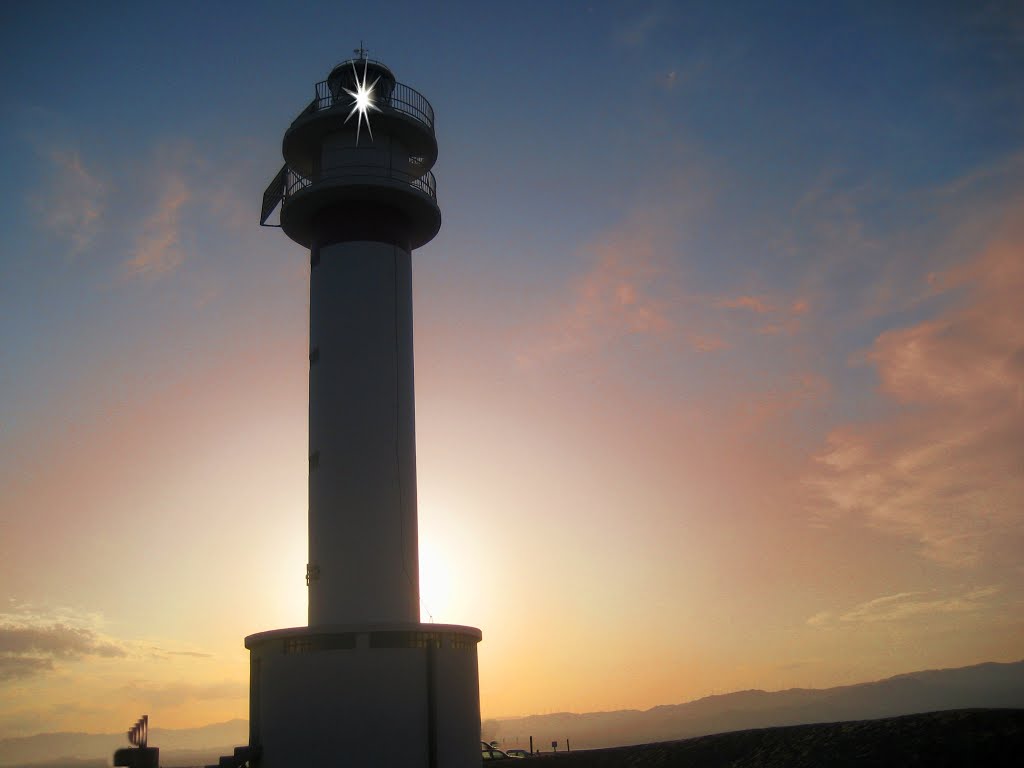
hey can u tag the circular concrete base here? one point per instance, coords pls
(366, 695)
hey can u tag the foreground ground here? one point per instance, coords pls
(975, 738)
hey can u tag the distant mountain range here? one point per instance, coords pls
(988, 685)
(186, 746)
(982, 686)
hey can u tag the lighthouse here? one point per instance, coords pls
(365, 683)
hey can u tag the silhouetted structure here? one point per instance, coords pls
(365, 683)
(140, 754)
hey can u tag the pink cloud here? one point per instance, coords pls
(636, 32)
(754, 303)
(973, 352)
(946, 471)
(619, 295)
(74, 205)
(615, 296)
(781, 317)
(157, 249)
(791, 394)
(706, 343)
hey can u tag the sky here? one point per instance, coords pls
(719, 350)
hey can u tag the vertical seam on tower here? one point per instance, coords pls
(398, 427)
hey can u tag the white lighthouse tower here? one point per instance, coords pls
(365, 684)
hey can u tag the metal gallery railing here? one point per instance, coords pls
(295, 182)
(288, 183)
(402, 99)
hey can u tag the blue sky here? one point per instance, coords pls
(718, 340)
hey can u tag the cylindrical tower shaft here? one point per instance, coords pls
(362, 479)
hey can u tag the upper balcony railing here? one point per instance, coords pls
(287, 183)
(403, 99)
(294, 182)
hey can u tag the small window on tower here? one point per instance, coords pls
(314, 460)
(297, 645)
(314, 355)
(314, 256)
(392, 639)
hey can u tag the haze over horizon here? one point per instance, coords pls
(719, 351)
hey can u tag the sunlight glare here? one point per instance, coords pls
(362, 101)
(437, 588)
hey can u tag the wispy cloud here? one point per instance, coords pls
(945, 471)
(16, 667)
(637, 285)
(636, 32)
(792, 393)
(72, 207)
(703, 342)
(616, 297)
(620, 294)
(31, 643)
(57, 640)
(758, 304)
(158, 248)
(775, 316)
(905, 605)
(163, 653)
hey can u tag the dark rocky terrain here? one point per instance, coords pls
(969, 738)
(982, 686)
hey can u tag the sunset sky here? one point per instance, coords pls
(719, 351)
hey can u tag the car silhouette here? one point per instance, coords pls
(489, 752)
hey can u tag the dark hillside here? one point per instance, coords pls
(968, 738)
(982, 686)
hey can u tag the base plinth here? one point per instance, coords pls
(365, 695)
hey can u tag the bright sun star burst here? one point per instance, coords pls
(362, 100)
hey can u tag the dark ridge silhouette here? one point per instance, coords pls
(970, 738)
(986, 686)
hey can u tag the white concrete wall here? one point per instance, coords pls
(364, 706)
(362, 491)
